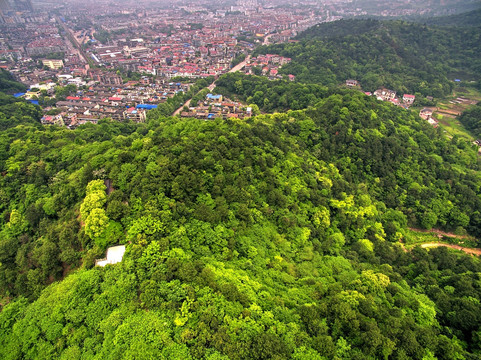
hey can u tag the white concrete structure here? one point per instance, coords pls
(114, 255)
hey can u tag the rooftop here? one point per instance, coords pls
(114, 256)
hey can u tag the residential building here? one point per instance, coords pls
(53, 64)
(408, 99)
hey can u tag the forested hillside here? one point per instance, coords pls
(275, 237)
(406, 57)
(471, 119)
(470, 18)
(17, 111)
(269, 96)
(8, 84)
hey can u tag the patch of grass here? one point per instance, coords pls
(473, 94)
(454, 127)
(413, 238)
(461, 90)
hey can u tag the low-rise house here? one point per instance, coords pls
(385, 94)
(136, 115)
(189, 114)
(53, 64)
(433, 122)
(395, 101)
(426, 113)
(52, 119)
(32, 94)
(408, 99)
(352, 83)
(217, 98)
(86, 118)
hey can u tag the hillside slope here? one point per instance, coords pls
(269, 238)
(471, 119)
(470, 18)
(406, 57)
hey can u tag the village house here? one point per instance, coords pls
(433, 122)
(216, 98)
(52, 119)
(53, 64)
(352, 83)
(385, 94)
(408, 99)
(134, 114)
(426, 113)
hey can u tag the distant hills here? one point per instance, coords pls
(406, 57)
(470, 18)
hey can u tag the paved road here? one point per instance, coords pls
(212, 86)
(240, 65)
(266, 39)
(73, 40)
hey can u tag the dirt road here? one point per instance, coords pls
(472, 251)
(440, 234)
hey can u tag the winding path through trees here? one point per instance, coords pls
(440, 234)
(472, 251)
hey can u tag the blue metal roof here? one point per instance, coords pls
(210, 96)
(146, 106)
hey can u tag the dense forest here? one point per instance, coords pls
(471, 119)
(405, 57)
(8, 84)
(15, 111)
(269, 96)
(470, 18)
(280, 236)
(274, 237)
